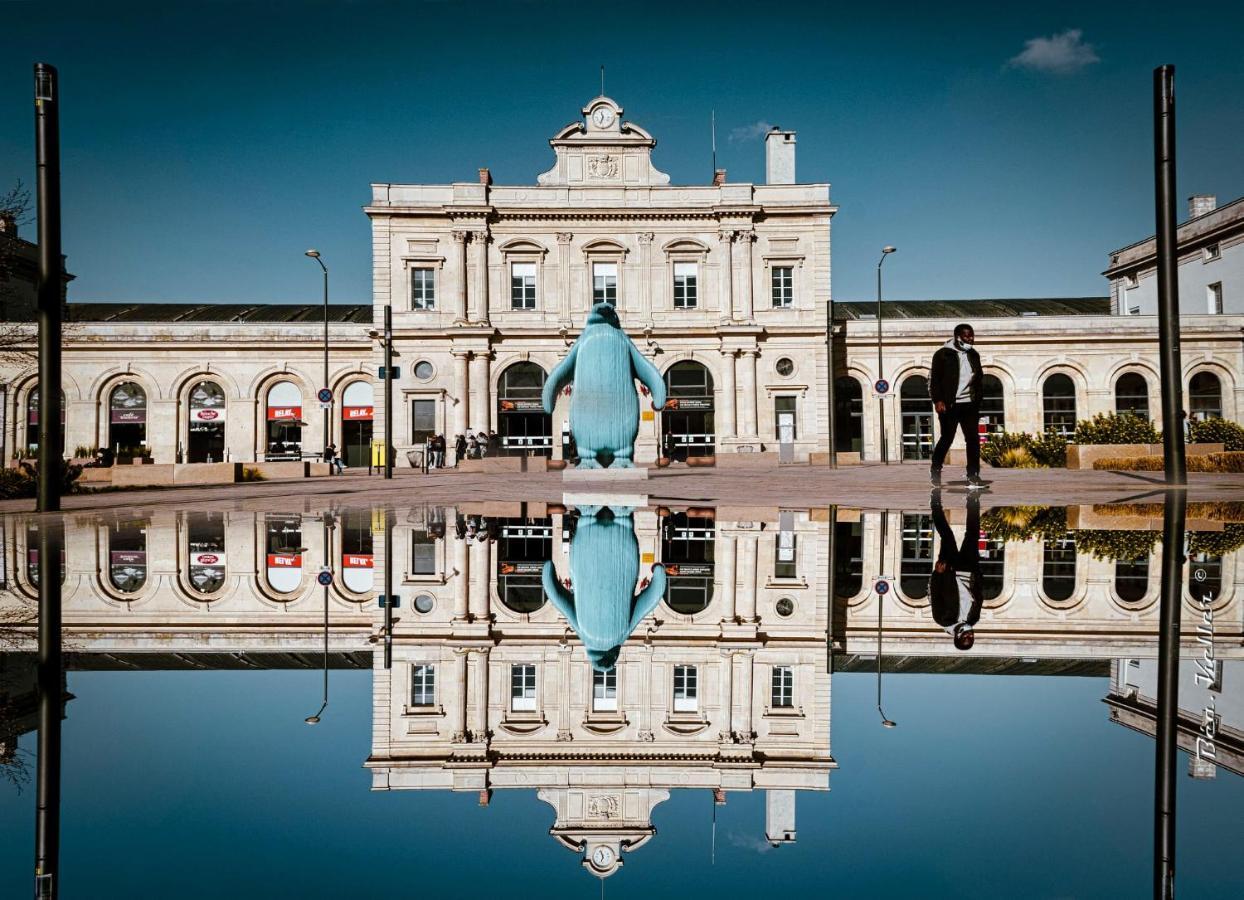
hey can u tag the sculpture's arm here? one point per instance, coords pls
(561, 598)
(649, 597)
(648, 376)
(563, 374)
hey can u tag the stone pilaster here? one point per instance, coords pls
(645, 275)
(726, 427)
(746, 305)
(481, 240)
(460, 300)
(481, 403)
(725, 240)
(563, 277)
(747, 385)
(462, 394)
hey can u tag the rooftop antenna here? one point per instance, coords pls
(602, 93)
(712, 859)
(713, 127)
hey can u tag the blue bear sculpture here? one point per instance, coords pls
(604, 408)
(603, 608)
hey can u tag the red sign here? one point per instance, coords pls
(129, 416)
(284, 412)
(128, 558)
(357, 560)
(358, 413)
(207, 415)
(983, 430)
(205, 559)
(982, 542)
(284, 560)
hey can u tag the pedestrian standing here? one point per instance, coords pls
(460, 449)
(472, 448)
(955, 388)
(494, 444)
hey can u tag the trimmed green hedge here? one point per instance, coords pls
(1213, 462)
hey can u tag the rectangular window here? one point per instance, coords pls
(685, 689)
(523, 285)
(1212, 252)
(423, 554)
(785, 562)
(423, 289)
(783, 695)
(523, 688)
(784, 419)
(685, 275)
(605, 283)
(605, 691)
(423, 420)
(423, 685)
(1213, 296)
(783, 287)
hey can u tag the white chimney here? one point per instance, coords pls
(779, 157)
(779, 817)
(1200, 204)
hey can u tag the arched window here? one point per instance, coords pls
(848, 558)
(687, 427)
(523, 546)
(206, 423)
(1131, 395)
(848, 415)
(32, 419)
(1205, 396)
(285, 421)
(525, 429)
(357, 412)
(1058, 396)
(283, 552)
(917, 414)
(358, 564)
(127, 419)
(32, 556)
(127, 556)
(687, 544)
(1204, 576)
(205, 551)
(1131, 579)
(916, 564)
(993, 409)
(993, 567)
(1058, 569)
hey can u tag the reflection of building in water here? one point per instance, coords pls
(716, 690)
(1133, 702)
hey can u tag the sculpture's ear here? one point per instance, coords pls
(562, 599)
(648, 376)
(563, 374)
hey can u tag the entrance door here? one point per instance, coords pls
(917, 415)
(357, 413)
(206, 428)
(524, 427)
(687, 420)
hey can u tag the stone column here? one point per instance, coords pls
(462, 580)
(745, 691)
(563, 277)
(726, 548)
(747, 385)
(460, 301)
(727, 696)
(481, 402)
(563, 693)
(726, 427)
(462, 395)
(645, 695)
(481, 240)
(645, 275)
(460, 683)
(479, 724)
(481, 578)
(725, 239)
(746, 306)
(747, 572)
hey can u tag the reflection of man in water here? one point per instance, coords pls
(955, 585)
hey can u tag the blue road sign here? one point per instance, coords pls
(881, 385)
(325, 578)
(882, 587)
(325, 395)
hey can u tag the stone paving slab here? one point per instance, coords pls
(865, 487)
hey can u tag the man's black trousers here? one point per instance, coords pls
(964, 417)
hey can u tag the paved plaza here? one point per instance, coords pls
(876, 486)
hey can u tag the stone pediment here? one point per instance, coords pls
(602, 150)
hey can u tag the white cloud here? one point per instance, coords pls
(752, 132)
(749, 842)
(1057, 54)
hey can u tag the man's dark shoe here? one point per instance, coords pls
(976, 483)
(935, 477)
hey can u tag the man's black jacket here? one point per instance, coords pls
(944, 376)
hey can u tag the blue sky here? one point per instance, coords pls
(989, 787)
(207, 145)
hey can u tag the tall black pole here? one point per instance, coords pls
(388, 392)
(328, 411)
(50, 676)
(831, 387)
(388, 588)
(50, 284)
(1168, 274)
(885, 457)
(1165, 754)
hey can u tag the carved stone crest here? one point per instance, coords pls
(604, 806)
(602, 166)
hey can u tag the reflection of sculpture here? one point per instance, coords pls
(604, 409)
(604, 561)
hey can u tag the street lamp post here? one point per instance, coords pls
(315, 255)
(328, 551)
(885, 723)
(885, 457)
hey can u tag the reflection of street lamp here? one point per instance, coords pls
(885, 723)
(315, 255)
(328, 524)
(885, 457)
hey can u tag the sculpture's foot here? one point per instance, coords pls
(588, 462)
(622, 462)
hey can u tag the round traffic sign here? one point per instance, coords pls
(325, 395)
(882, 587)
(325, 578)
(881, 385)
(1200, 574)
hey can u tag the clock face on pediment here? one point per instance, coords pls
(602, 117)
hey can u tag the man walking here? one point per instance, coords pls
(956, 590)
(955, 388)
